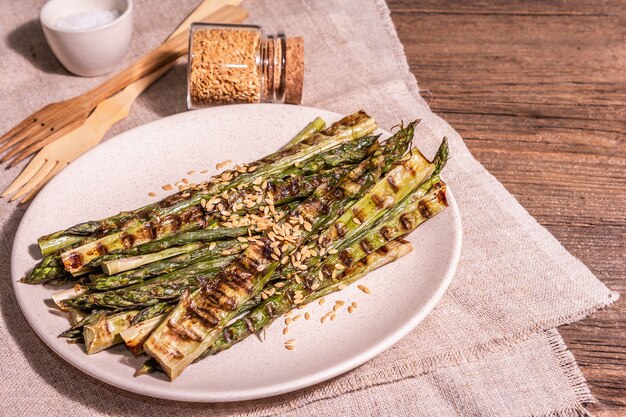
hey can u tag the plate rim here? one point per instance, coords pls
(265, 391)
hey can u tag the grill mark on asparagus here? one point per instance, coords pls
(127, 240)
(249, 324)
(391, 180)
(75, 260)
(378, 201)
(386, 232)
(327, 270)
(221, 296)
(101, 249)
(346, 257)
(340, 229)
(441, 196)
(205, 315)
(180, 333)
(384, 250)
(361, 215)
(366, 246)
(405, 221)
(228, 333)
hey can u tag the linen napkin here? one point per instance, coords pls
(489, 347)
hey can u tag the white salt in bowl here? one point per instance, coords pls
(89, 37)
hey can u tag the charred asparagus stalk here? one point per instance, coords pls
(400, 220)
(323, 206)
(63, 239)
(167, 287)
(259, 317)
(349, 128)
(194, 324)
(209, 252)
(403, 219)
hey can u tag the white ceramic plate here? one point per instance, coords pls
(118, 175)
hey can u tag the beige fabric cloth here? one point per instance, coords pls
(487, 349)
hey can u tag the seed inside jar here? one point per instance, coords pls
(224, 68)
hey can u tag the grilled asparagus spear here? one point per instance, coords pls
(167, 287)
(402, 219)
(195, 322)
(349, 128)
(208, 252)
(328, 277)
(258, 318)
(63, 239)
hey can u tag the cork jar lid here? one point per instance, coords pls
(294, 70)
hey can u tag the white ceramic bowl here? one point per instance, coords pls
(88, 52)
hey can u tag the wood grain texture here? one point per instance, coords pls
(538, 91)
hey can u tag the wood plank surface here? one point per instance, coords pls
(538, 91)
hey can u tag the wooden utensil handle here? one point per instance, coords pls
(167, 53)
(206, 8)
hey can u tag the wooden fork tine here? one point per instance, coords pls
(54, 116)
(28, 172)
(32, 119)
(47, 167)
(26, 128)
(26, 148)
(58, 168)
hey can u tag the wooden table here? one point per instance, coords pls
(538, 91)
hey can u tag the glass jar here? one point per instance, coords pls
(240, 64)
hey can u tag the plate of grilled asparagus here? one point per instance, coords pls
(273, 247)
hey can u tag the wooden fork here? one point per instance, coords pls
(57, 155)
(58, 119)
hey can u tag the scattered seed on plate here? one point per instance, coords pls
(322, 301)
(336, 307)
(290, 342)
(323, 319)
(298, 317)
(151, 194)
(364, 289)
(355, 304)
(290, 347)
(286, 330)
(307, 316)
(168, 187)
(287, 321)
(340, 302)
(350, 309)
(222, 164)
(333, 317)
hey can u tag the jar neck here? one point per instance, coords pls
(273, 51)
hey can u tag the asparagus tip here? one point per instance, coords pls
(442, 156)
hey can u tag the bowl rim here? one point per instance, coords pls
(50, 26)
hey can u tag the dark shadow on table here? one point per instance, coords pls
(168, 94)
(28, 40)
